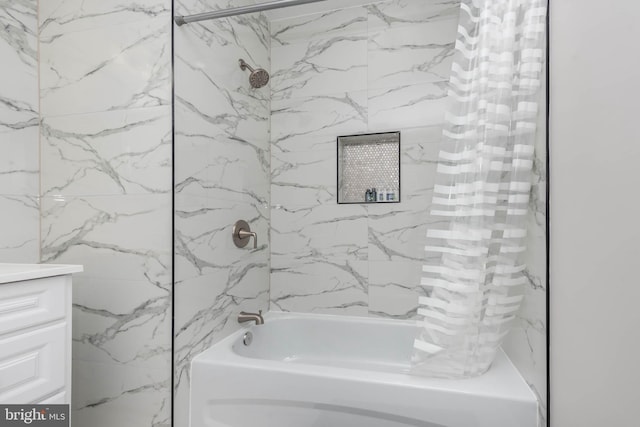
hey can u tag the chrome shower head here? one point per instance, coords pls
(258, 78)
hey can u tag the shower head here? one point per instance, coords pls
(258, 78)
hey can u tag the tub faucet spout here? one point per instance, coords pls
(251, 317)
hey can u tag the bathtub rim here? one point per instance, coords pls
(490, 385)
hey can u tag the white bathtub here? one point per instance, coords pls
(334, 371)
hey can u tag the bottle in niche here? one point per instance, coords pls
(391, 195)
(374, 194)
(382, 195)
(367, 195)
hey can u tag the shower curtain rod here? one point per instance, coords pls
(181, 20)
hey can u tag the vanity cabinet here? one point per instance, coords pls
(35, 333)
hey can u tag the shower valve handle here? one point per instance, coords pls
(242, 234)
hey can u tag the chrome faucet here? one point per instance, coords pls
(251, 317)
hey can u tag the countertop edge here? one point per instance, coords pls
(10, 273)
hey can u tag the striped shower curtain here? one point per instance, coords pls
(473, 278)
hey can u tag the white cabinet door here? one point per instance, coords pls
(34, 302)
(32, 364)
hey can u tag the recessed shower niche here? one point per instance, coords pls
(369, 168)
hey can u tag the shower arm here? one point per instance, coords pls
(278, 4)
(245, 66)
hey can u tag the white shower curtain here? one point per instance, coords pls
(473, 278)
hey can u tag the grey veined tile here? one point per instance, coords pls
(115, 237)
(394, 288)
(324, 66)
(302, 29)
(212, 163)
(19, 229)
(20, 161)
(401, 13)
(116, 152)
(108, 68)
(303, 178)
(408, 106)
(331, 232)
(135, 330)
(412, 54)
(320, 286)
(19, 47)
(336, 114)
(210, 86)
(203, 243)
(111, 394)
(397, 232)
(64, 16)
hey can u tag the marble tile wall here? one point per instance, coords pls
(371, 68)
(106, 166)
(19, 161)
(222, 171)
